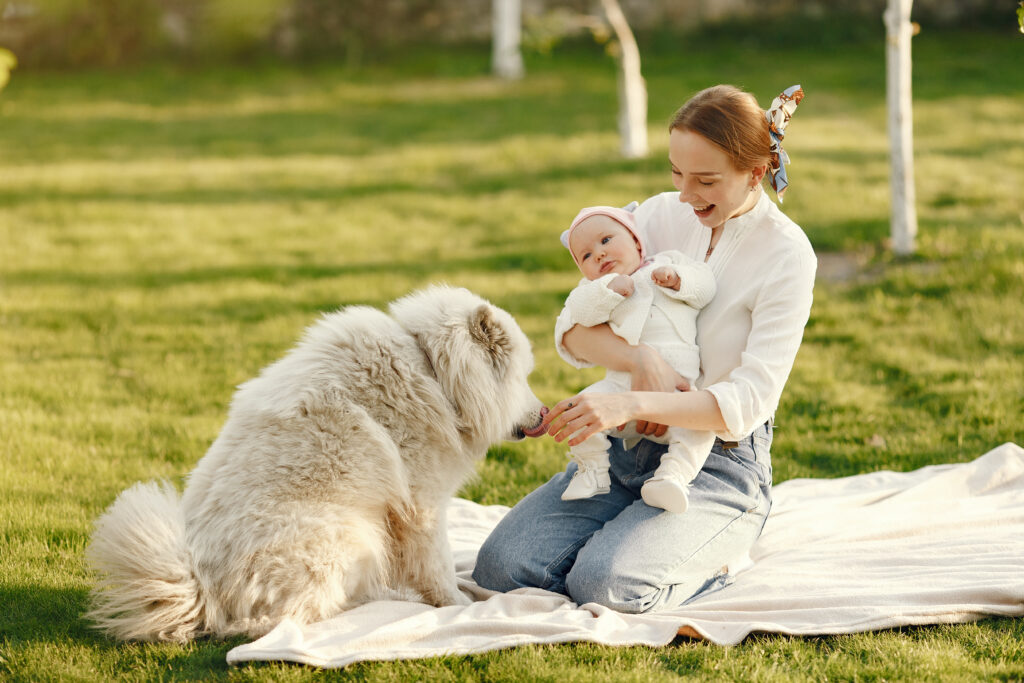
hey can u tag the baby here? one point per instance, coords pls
(654, 301)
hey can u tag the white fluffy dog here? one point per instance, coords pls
(328, 483)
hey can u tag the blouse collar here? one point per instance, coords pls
(752, 217)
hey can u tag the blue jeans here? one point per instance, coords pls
(616, 550)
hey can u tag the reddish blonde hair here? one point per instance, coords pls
(731, 119)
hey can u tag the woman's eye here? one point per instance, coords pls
(706, 184)
(675, 171)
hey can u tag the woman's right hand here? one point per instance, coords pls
(650, 372)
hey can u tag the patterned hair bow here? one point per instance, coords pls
(778, 117)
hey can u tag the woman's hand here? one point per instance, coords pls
(650, 372)
(584, 415)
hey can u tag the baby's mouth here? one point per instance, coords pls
(607, 265)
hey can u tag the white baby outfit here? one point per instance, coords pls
(664, 319)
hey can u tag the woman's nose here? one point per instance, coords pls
(686, 193)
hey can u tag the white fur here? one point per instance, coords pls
(328, 483)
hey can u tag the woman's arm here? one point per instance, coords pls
(600, 346)
(591, 413)
(649, 372)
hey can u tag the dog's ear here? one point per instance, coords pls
(487, 331)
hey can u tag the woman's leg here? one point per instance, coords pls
(646, 559)
(536, 543)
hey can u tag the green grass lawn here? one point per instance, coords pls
(165, 232)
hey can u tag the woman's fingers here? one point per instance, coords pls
(570, 417)
(559, 416)
(583, 435)
(651, 428)
(582, 416)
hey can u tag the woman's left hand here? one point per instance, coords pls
(584, 415)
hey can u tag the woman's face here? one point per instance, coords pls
(708, 181)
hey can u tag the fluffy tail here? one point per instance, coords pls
(146, 589)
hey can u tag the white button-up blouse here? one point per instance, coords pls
(749, 334)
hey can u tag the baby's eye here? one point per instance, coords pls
(585, 256)
(606, 240)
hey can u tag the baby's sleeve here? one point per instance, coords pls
(697, 284)
(590, 303)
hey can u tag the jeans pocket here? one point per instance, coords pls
(753, 456)
(761, 442)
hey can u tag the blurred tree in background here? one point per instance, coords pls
(110, 32)
(7, 62)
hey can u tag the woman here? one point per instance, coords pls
(614, 549)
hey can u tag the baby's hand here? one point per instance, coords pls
(621, 285)
(666, 277)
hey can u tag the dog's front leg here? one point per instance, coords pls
(426, 562)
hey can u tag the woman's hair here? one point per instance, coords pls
(731, 119)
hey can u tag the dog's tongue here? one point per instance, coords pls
(540, 429)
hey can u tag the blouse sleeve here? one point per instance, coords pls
(751, 392)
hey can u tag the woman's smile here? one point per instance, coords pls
(705, 212)
(708, 181)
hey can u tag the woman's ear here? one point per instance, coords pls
(757, 175)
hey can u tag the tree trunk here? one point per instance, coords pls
(506, 59)
(901, 125)
(632, 89)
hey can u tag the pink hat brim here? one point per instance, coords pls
(621, 216)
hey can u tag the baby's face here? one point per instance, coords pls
(602, 245)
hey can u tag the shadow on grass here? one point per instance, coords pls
(527, 261)
(455, 178)
(55, 618)
(43, 613)
(258, 307)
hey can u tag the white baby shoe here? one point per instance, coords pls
(666, 491)
(587, 482)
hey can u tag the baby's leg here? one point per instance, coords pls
(687, 451)
(591, 456)
(591, 477)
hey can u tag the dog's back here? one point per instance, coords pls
(326, 486)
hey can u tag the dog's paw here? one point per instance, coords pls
(461, 599)
(453, 597)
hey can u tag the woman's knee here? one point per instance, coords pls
(504, 563)
(619, 584)
(600, 579)
(492, 570)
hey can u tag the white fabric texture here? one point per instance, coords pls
(749, 333)
(592, 302)
(943, 544)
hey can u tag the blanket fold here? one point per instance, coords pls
(942, 544)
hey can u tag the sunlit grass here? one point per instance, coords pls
(167, 232)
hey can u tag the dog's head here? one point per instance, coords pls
(480, 357)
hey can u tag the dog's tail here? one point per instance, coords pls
(146, 589)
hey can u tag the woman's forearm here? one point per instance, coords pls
(581, 416)
(600, 346)
(690, 409)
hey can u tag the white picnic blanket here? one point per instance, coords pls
(939, 545)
